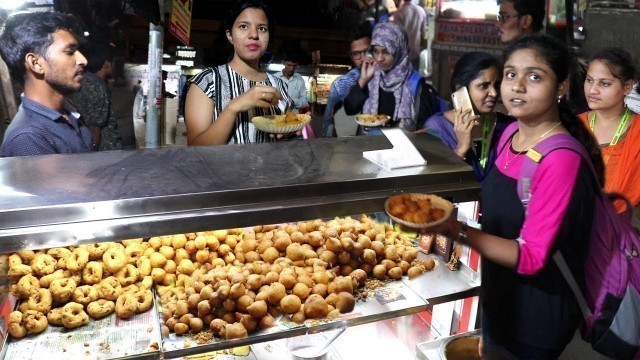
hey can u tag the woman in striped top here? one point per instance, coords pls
(222, 100)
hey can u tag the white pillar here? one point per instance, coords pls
(154, 96)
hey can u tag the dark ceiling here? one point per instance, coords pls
(299, 13)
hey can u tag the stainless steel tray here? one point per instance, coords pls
(443, 285)
(392, 300)
(430, 350)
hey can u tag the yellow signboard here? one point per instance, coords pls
(180, 24)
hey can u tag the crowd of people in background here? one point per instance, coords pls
(517, 102)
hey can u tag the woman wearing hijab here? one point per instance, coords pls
(388, 84)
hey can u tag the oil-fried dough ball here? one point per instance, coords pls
(266, 322)
(43, 264)
(59, 253)
(109, 288)
(414, 272)
(276, 292)
(301, 290)
(144, 299)
(96, 251)
(46, 280)
(290, 304)
(360, 276)
(128, 275)
(26, 285)
(73, 315)
(315, 307)
(395, 273)
(92, 273)
(62, 290)
(16, 329)
(34, 321)
(217, 325)
(100, 308)
(54, 316)
(26, 255)
(126, 306)
(346, 302)
(235, 331)
(298, 317)
(84, 295)
(113, 260)
(186, 266)
(129, 242)
(78, 259)
(133, 252)
(40, 300)
(144, 267)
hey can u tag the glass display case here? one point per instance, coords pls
(68, 200)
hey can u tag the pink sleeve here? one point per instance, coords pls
(551, 190)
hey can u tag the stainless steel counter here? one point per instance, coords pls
(58, 200)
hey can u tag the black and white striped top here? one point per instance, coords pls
(222, 84)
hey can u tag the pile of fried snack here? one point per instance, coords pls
(231, 282)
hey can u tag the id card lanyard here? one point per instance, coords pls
(484, 150)
(619, 129)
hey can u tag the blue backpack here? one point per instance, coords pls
(610, 304)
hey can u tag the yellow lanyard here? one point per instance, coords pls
(619, 129)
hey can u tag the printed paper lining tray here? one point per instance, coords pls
(107, 338)
(389, 301)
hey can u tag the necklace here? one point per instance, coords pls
(617, 134)
(507, 160)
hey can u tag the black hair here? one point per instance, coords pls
(619, 62)
(557, 56)
(255, 4)
(25, 33)
(469, 66)
(97, 54)
(291, 56)
(534, 8)
(364, 30)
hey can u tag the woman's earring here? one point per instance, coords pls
(559, 99)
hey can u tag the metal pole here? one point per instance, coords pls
(154, 97)
(568, 7)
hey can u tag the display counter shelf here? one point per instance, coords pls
(62, 200)
(66, 200)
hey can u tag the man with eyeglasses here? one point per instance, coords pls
(360, 40)
(296, 88)
(519, 18)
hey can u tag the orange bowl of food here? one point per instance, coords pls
(418, 211)
(372, 120)
(281, 124)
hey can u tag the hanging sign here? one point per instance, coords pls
(180, 24)
(478, 33)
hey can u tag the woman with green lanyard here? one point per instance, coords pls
(609, 80)
(473, 137)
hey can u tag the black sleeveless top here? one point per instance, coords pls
(535, 310)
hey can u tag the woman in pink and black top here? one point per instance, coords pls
(528, 311)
